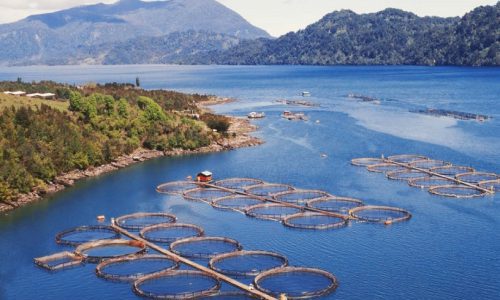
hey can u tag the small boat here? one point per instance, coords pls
(256, 115)
(306, 94)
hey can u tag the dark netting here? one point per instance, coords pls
(237, 183)
(230, 296)
(366, 161)
(133, 267)
(271, 211)
(206, 194)
(477, 177)
(59, 261)
(406, 158)
(167, 233)
(452, 170)
(95, 252)
(428, 182)
(456, 191)
(429, 163)
(315, 221)
(379, 214)
(236, 202)
(268, 189)
(185, 284)
(385, 167)
(335, 204)
(296, 283)
(138, 221)
(204, 247)
(247, 263)
(176, 187)
(493, 185)
(406, 175)
(83, 234)
(300, 196)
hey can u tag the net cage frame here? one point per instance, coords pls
(304, 295)
(249, 189)
(230, 294)
(366, 161)
(141, 215)
(463, 169)
(320, 195)
(377, 168)
(216, 259)
(136, 287)
(160, 188)
(73, 261)
(343, 221)
(395, 175)
(187, 193)
(436, 162)
(493, 176)
(216, 202)
(490, 184)
(221, 182)
(99, 270)
(355, 201)
(159, 227)
(406, 214)
(235, 243)
(434, 190)
(80, 250)
(406, 158)
(414, 182)
(272, 217)
(60, 237)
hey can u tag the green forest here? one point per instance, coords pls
(101, 122)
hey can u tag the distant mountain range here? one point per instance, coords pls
(206, 32)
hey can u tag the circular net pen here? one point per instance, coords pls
(138, 221)
(300, 196)
(178, 285)
(429, 164)
(452, 171)
(427, 182)
(406, 158)
(204, 247)
(335, 204)
(366, 161)
(273, 211)
(205, 194)
(168, 233)
(133, 267)
(380, 214)
(238, 183)
(385, 167)
(268, 189)
(477, 177)
(247, 263)
(235, 202)
(84, 234)
(95, 252)
(315, 221)
(456, 191)
(406, 175)
(296, 282)
(176, 187)
(493, 185)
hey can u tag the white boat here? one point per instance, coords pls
(306, 94)
(256, 115)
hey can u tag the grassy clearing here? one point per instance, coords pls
(17, 102)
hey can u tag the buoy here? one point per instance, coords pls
(101, 218)
(388, 222)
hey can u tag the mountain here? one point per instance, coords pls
(77, 34)
(388, 37)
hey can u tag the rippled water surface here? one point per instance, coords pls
(448, 250)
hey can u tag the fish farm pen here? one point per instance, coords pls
(438, 177)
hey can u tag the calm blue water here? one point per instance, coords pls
(448, 250)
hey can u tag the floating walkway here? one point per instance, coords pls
(439, 177)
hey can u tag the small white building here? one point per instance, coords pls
(42, 95)
(16, 93)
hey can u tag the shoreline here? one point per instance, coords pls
(238, 136)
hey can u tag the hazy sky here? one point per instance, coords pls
(275, 16)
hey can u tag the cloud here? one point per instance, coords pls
(47, 4)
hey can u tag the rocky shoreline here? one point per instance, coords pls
(239, 135)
